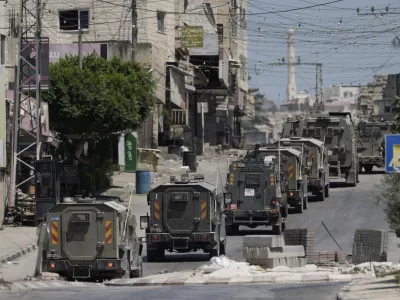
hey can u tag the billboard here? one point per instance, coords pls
(28, 49)
(392, 153)
(192, 37)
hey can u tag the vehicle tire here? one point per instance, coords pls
(223, 248)
(368, 168)
(277, 228)
(215, 252)
(305, 202)
(326, 191)
(321, 196)
(284, 207)
(299, 208)
(228, 229)
(152, 255)
(360, 166)
(161, 253)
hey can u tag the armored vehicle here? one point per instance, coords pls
(254, 195)
(316, 164)
(336, 130)
(185, 215)
(89, 239)
(293, 169)
(371, 144)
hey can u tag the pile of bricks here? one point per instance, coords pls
(370, 245)
(270, 251)
(303, 237)
(329, 256)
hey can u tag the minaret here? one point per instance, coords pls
(291, 92)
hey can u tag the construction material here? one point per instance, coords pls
(370, 245)
(304, 237)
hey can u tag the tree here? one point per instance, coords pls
(104, 98)
(390, 197)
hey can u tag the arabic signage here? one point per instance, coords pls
(192, 37)
(130, 152)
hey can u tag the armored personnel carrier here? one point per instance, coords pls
(371, 144)
(255, 195)
(293, 170)
(316, 165)
(185, 215)
(336, 130)
(88, 239)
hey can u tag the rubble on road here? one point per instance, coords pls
(372, 268)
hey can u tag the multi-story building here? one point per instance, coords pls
(341, 98)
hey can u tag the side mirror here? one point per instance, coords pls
(144, 222)
(227, 198)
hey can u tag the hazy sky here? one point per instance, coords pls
(351, 47)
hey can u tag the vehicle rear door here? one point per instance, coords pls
(251, 191)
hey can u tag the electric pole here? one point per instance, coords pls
(80, 46)
(134, 30)
(23, 82)
(319, 103)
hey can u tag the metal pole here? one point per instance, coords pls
(16, 111)
(80, 47)
(202, 128)
(134, 30)
(38, 78)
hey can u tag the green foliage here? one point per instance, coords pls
(390, 197)
(103, 98)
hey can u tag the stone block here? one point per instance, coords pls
(263, 241)
(269, 263)
(274, 252)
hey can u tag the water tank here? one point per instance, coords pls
(143, 182)
(190, 160)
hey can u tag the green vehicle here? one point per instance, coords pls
(295, 178)
(316, 165)
(89, 239)
(185, 215)
(336, 130)
(371, 144)
(255, 195)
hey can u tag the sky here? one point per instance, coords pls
(351, 47)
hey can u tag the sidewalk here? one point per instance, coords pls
(382, 288)
(15, 242)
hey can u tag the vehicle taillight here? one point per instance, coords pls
(291, 194)
(156, 237)
(273, 202)
(204, 237)
(52, 265)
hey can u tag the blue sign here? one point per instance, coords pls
(55, 218)
(392, 153)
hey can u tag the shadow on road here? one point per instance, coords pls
(337, 185)
(180, 257)
(380, 172)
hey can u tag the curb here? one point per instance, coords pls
(195, 281)
(18, 254)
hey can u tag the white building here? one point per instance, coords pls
(341, 98)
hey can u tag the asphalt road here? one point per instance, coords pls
(217, 292)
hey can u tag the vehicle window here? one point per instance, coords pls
(252, 180)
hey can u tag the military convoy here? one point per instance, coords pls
(316, 164)
(88, 239)
(185, 215)
(336, 130)
(255, 195)
(371, 144)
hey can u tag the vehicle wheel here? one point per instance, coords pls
(223, 248)
(360, 166)
(368, 168)
(215, 252)
(284, 207)
(152, 255)
(299, 208)
(326, 191)
(305, 202)
(161, 253)
(277, 228)
(321, 196)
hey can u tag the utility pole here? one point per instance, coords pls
(22, 88)
(80, 47)
(319, 103)
(134, 30)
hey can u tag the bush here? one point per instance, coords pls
(390, 196)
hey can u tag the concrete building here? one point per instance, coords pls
(377, 98)
(341, 98)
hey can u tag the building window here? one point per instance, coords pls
(74, 19)
(160, 21)
(387, 109)
(2, 49)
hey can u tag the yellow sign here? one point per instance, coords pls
(396, 156)
(192, 37)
